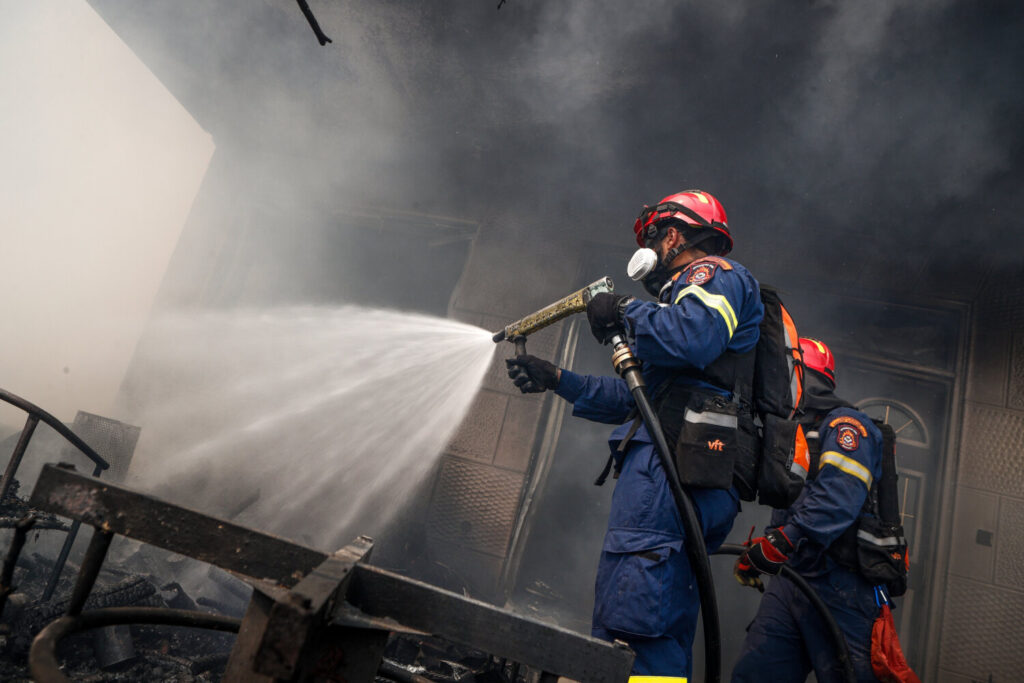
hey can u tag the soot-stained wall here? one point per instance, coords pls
(478, 495)
(980, 623)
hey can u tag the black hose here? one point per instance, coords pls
(696, 550)
(838, 639)
(42, 658)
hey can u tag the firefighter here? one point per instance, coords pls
(788, 637)
(696, 343)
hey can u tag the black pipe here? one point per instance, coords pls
(838, 639)
(313, 24)
(99, 544)
(42, 658)
(627, 366)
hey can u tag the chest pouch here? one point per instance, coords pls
(882, 554)
(702, 428)
(785, 460)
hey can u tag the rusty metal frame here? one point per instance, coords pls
(314, 614)
(35, 414)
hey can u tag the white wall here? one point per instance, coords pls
(99, 166)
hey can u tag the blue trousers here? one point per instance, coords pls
(788, 637)
(645, 593)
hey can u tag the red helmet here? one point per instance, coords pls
(693, 207)
(818, 357)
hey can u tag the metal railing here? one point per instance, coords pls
(35, 415)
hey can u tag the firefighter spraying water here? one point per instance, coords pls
(694, 349)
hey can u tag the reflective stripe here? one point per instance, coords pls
(656, 679)
(871, 538)
(848, 465)
(715, 301)
(709, 418)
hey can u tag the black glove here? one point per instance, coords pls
(605, 315)
(764, 555)
(531, 374)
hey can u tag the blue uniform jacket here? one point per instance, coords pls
(851, 460)
(711, 306)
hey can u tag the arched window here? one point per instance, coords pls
(905, 421)
(910, 430)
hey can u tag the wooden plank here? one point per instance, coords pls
(120, 510)
(485, 627)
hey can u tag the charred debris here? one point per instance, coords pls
(163, 592)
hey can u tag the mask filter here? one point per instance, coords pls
(642, 264)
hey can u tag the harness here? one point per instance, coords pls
(874, 545)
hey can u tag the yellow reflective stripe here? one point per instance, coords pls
(848, 465)
(656, 679)
(715, 301)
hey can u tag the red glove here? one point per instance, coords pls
(764, 555)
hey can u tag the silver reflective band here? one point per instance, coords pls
(871, 538)
(710, 419)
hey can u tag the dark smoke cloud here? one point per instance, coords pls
(852, 129)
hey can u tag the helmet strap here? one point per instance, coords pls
(677, 250)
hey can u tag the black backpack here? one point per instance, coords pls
(773, 467)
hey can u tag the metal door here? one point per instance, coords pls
(918, 408)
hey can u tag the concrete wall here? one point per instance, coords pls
(984, 596)
(477, 496)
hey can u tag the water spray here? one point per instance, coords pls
(628, 367)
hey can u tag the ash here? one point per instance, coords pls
(133, 575)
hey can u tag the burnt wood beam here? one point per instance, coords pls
(340, 589)
(482, 626)
(120, 510)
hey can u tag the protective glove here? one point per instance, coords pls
(764, 555)
(531, 374)
(604, 312)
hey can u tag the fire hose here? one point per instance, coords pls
(628, 367)
(838, 639)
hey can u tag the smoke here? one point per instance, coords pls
(880, 122)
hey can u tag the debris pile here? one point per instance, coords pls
(140, 576)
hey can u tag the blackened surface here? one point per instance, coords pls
(179, 529)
